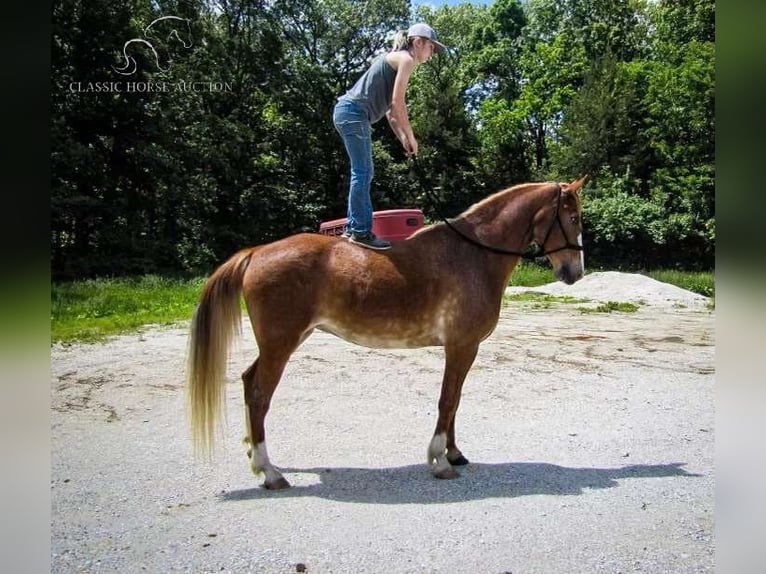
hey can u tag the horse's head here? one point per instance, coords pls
(561, 232)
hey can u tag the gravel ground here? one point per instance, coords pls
(590, 435)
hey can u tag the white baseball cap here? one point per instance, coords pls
(425, 31)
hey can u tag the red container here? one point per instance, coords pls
(393, 224)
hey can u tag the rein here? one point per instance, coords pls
(499, 250)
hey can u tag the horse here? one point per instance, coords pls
(442, 286)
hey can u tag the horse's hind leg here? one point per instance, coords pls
(248, 379)
(458, 361)
(260, 382)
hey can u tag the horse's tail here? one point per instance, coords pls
(215, 324)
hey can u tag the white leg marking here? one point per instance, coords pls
(437, 451)
(582, 253)
(248, 440)
(260, 463)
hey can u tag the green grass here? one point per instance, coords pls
(531, 275)
(702, 282)
(610, 306)
(94, 309)
(540, 300)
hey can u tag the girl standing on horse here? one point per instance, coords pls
(380, 91)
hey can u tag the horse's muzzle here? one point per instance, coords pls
(568, 275)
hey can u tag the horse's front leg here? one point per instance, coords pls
(442, 449)
(454, 456)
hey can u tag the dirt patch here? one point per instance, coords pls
(591, 440)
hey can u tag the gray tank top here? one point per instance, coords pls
(375, 89)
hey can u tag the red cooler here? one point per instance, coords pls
(392, 225)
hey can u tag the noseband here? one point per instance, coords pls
(556, 220)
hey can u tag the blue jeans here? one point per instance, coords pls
(354, 127)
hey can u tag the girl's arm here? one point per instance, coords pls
(397, 113)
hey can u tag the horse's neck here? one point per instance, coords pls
(505, 219)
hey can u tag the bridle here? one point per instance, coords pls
(523, 254)
(557, 220)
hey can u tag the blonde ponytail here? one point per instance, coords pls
(401, 41)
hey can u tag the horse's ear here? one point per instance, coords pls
(576, 185)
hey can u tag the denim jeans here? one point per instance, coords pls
(354, 127)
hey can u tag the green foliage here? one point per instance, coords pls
(644, 128)
(617, 219)
(599, 128)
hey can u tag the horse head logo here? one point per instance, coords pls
(153, 33)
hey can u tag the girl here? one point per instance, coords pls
(380, 91)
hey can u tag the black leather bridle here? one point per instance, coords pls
(523, 254)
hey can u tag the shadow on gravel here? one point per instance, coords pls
(414, 484)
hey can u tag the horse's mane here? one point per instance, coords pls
(488, 207)
(501, 197)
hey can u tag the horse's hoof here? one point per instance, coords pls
(447, 474)
(278, 484)
(459, 461)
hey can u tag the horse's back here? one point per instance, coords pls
(332, 257)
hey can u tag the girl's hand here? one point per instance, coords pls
(411, 147)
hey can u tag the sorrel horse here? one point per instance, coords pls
(443, 286)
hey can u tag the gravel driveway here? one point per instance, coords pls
(590, 435)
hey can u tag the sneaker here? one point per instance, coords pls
(369, 240)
